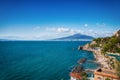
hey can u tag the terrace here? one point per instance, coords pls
(102, 74)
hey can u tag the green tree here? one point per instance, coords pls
(118, 68)
(107, 79)
(84, 75)
(97, 40)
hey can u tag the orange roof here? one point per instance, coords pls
(76, 75)
(107, 75)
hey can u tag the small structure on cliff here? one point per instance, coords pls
(103, 74)
(75, 73)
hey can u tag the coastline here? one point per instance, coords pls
(106, 55)
(100, 59)
(106, 51)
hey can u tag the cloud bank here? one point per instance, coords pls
(51, 32)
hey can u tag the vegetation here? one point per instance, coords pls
(111, 45)
(93, 45)
(97, 40)
(108, 44)
(84, 75)
(107, 79)
(118, 68)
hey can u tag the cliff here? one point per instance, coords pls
(102, 47)
(108, 44)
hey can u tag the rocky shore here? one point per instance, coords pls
(97, 54)
(107, 53)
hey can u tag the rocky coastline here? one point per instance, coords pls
(107, 53)
(100, 59)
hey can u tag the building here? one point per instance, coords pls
(75, 76)
(103, 74)
(75, 73)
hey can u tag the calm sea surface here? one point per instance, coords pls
(41, 60)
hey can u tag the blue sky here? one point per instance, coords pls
(46, 19)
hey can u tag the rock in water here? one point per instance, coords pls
(82, 60)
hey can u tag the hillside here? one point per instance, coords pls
(108, 44)
(76, 37)
(107, 51)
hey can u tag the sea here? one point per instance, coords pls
(42, 60)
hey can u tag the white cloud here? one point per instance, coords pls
(86, 25)
(95, 33)
(101, 25)
(62, 30)
(37, 28)
(52, 32)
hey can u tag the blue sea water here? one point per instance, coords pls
(41, 60)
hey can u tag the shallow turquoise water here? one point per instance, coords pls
(40, 60)
(116, 56)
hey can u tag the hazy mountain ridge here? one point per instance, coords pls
(76, 37)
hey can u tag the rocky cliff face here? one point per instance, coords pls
(108, 44)
(117, 34)
(88, 46)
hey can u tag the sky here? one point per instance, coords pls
(49, 19)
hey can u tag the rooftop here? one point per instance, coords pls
(107, 73)
(75, 73)
(77, 69)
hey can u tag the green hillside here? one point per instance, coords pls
(108, 44)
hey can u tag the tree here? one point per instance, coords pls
(84, 75)
(118, 68)
(97, 40)
(107, 79)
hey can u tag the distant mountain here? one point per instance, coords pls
(76, 37)
(4, 40)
